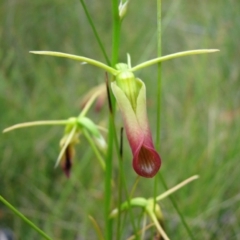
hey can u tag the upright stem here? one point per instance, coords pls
(108, 176)
(118, 232)
(109, 156)
(158, 124)
(159, 74)
(116, 32)
(159, 88)
(95, 31)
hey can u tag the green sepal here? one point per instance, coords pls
(89, 125)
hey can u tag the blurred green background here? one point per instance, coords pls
(200, 112)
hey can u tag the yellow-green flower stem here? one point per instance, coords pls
(94, 148)
(135, 185)
(26, 220)
(89, 103)
(96, 227)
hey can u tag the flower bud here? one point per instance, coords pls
(122, 8)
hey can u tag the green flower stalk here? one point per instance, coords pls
(100, 100)
(130, 93)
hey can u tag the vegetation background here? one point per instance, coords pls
(200, 112)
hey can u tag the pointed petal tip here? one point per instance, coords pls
(214, 50)
(39, 52)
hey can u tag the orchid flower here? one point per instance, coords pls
(73, 127)
(130, 93)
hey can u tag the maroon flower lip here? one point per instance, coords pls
(146, 160)
(67, 160)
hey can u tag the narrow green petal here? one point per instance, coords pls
(171, 56)
(78, 58)
(35, 123)
(64, 147)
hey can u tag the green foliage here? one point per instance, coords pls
(200, 113)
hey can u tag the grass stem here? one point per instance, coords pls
(95, 31)
(26, 220)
